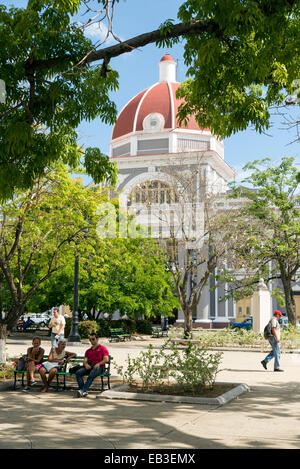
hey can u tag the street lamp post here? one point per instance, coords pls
(74, 334)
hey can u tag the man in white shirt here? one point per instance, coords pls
(274, 342)
(57, 324)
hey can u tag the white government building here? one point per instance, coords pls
(147, 140)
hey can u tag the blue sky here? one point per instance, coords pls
(139, 70)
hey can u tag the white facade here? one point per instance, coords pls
(147, 141)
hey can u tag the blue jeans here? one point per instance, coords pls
(92, 374)
(54, 341)
(275, 353)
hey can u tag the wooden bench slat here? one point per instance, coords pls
(118, 334)
(157, 331)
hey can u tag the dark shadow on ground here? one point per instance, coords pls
(76, 420)
(59, 420)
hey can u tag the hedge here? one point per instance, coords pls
(103, 326)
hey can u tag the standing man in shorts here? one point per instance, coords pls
(57, 324)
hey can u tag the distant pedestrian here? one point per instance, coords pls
(57, 324)
(274, 340)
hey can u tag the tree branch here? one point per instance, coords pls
(180, 29)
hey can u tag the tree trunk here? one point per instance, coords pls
(290, 304)
(93, 313)
(3, 333)
(288, 295)
(188, 324)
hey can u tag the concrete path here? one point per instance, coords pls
(266, 417)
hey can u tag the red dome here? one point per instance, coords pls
(167, 57)
(159, 98)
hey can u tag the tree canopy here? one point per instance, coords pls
(270, 225)
(38, 228)
(242, 57)
(128, 275)
(44, 107)
(246, 62)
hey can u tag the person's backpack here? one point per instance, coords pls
(21, 364)
(268, 331)
(75, 368)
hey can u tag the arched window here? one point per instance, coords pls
(153, 192)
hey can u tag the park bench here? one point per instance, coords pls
(157, 331)
(31, 328)
(65, 373)
(119, 335)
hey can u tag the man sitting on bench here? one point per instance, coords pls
(93, 365)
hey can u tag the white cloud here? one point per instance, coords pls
(240, 173)
(97, 32)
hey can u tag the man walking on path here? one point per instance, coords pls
(274, 340)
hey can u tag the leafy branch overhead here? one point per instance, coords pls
(45, 106)
(242, 57)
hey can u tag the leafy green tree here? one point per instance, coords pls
(242, 57)
(246, 61)
(36, 230)
(137, 281)
(270, 224)
(128, 275)
(44, 107)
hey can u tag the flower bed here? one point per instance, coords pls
(290, 338)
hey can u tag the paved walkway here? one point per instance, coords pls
(266, 417)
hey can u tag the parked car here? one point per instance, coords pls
(284, 322)
(40, 319)
(246, 324)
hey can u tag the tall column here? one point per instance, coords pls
(181, 254)
(203, 309)
(261, 307)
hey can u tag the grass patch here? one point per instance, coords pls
(6, 371)
(290, 338)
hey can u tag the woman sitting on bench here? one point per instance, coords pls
(33, 361)
(57, 358)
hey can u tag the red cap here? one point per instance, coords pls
(278, 312)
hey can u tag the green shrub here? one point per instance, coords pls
(129, 326)
(291, 336)
(144, 326)
(85, 328)
(146, 367)
(103, 327)
(193, 368)
(6, 370)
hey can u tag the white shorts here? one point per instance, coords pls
(49, 365)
